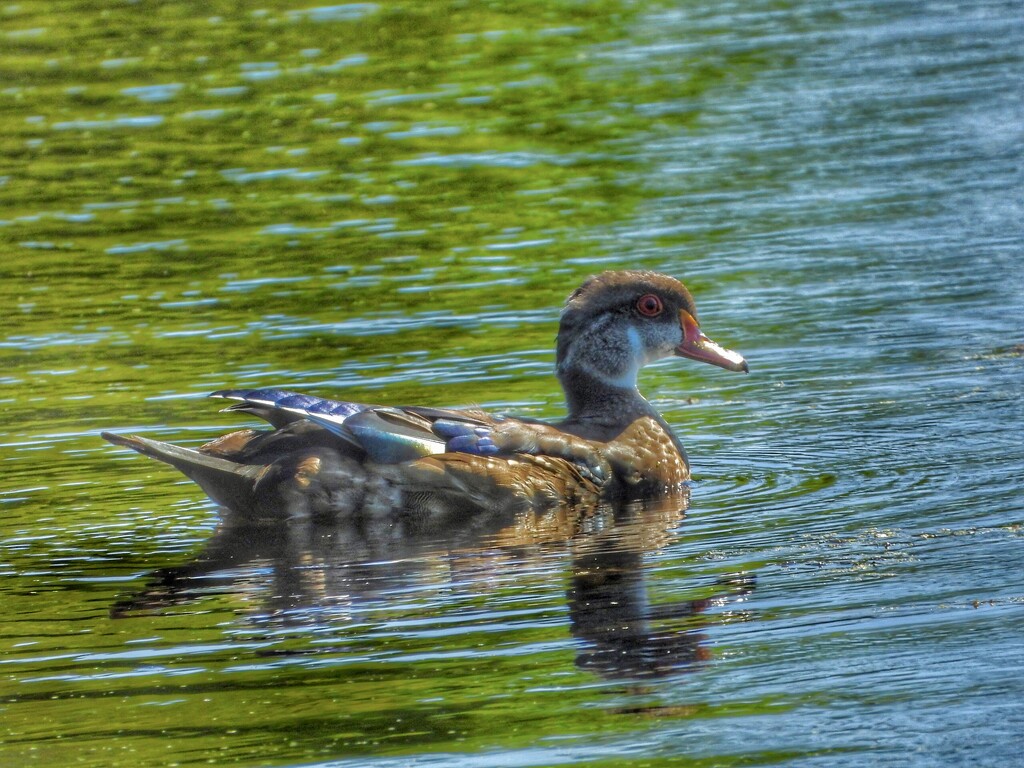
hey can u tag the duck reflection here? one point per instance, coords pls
(310, 574)
(623, 634)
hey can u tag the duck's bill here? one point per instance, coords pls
(697, 346)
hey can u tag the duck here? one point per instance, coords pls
(416, 468)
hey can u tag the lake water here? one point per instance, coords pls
(389, 201)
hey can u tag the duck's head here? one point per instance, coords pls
(617, 322)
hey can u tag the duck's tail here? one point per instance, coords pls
(227, 482)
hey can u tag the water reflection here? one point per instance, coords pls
(623, 632)
(307, 576)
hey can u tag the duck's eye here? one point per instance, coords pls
(649, 305)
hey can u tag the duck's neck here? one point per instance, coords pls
(595, 399)
(598, 370)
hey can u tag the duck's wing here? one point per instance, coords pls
(395, 435)
(382, 434)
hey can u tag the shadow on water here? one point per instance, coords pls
(305, 570)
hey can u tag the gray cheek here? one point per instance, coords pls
(600, 345)
(673, 337)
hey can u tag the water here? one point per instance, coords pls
(391, 200)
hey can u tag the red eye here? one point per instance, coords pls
(649, 305)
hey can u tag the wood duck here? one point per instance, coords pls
(428, 468)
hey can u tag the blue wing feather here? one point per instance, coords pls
(466, 437)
